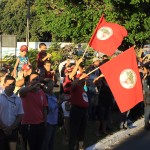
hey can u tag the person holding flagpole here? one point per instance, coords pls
(92, 89)
(105, 103)
(78, 113)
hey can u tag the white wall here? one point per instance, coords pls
(32, 45)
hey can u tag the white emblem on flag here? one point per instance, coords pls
(104, 33)
(128, 78)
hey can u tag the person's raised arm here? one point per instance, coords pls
(15, 67)
(23, 91)
(47, 57)
(72, 74)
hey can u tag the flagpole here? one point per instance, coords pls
(91, 38)
(93, 71)
(85, 51)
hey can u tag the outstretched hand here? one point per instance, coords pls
(84, 75)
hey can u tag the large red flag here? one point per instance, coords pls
(122, 76)
(107, 37)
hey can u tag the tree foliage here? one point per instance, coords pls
(13, 18)
(74, 21)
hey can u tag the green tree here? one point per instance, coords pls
(13, 15)
(13, 18)
(135, 16)
(74, 21)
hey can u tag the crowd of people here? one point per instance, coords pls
(29, 108)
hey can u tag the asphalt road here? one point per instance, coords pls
(139, 141)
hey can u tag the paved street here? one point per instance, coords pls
(139, 141)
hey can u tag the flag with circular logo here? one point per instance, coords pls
(123, 78)
(107, 37)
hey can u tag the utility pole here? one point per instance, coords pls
(28, 18)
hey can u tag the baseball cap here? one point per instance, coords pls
(95, 59)
(24, 48)
(26, 67)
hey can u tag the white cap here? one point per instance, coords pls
(95, 59)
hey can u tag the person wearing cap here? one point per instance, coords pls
(23, 77)
(21, 60)
(96, 63)
(92, 88)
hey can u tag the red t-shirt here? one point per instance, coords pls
(33, 104)
(40, 56)
(49, 74)
(79, 97)
(67, 84)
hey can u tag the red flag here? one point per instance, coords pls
(107, 37)
(122, 76)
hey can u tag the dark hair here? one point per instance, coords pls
(104, 56)
(8, 77)
(71, 64)
(82, 65)
(42, 44)
(104, 61)
(47, 61)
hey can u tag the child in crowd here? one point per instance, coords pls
(23, 77)
(42, 55)
(21, 60)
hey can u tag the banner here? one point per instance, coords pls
(107, 37)
(123, 78)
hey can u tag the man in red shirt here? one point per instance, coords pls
(34, 104)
